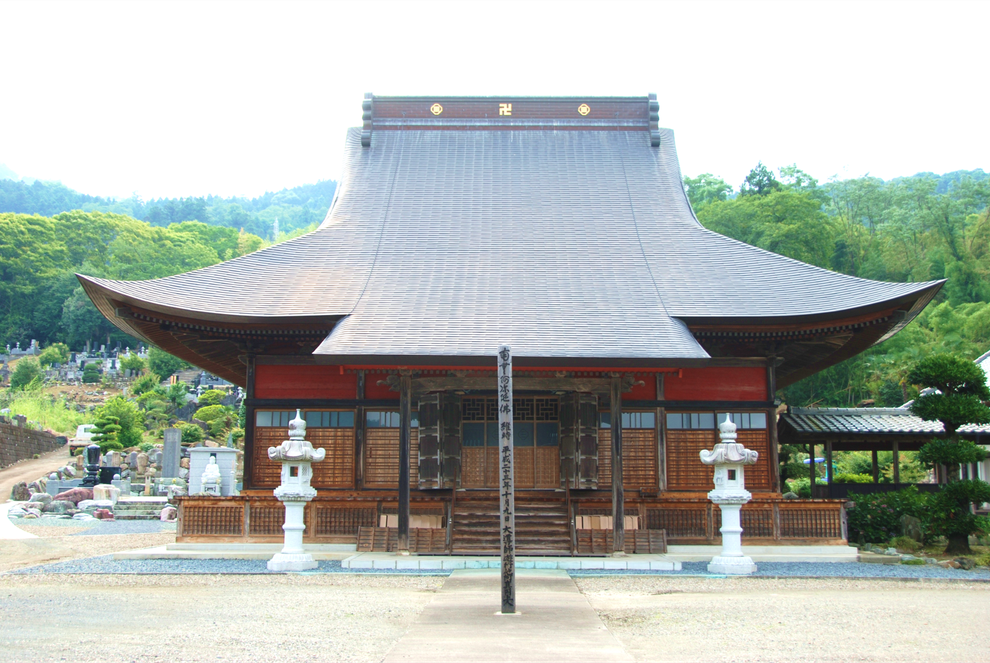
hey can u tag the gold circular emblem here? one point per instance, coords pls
(584, 109)
(436, 109)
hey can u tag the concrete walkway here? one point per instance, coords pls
(555, 623)
(7, 529)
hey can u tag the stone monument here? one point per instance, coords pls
(296, 455)
(92, 477)
(730, 494)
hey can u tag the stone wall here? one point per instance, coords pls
(18, 442)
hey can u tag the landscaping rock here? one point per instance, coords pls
(58, 506)
(17, 512)
(103, 514)
(68, 471)
(965, 563)
(83, 516)
(184, 463)
(790, 496)
(86, 505)
(911, 527)
(20, 492)
(43, 498)
(891, 551)
(75, 495)
(35, 487)
(169, 514)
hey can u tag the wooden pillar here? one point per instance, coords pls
(897, 462)
(876, 467)
(828, 466)
(772, 440)
(359, 424)
(661, 438)
(811, 467)
(405, 420)
(618, 497)
(248, 479)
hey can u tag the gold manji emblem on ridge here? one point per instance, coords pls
(505, 109)
(584, 109)
(436, 109)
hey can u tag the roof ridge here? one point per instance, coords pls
(639, 237)
(381, 230)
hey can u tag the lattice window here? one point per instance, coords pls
(757, 522)
(685, 470)
(758, 474)
(330, 520)
(213, 520)
(266, 519)
(473, 409)
(491, 409)
(337, 469)
(679, 522)
(523, 409)
(381, 457)
(547, 409)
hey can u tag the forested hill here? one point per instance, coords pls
(40, 297)
(294, 208)
(916, 228)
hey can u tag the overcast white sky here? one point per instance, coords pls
(183, 98)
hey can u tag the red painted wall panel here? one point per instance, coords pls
(643, 392)
(373, 391)
(717, 384)
(273, 381)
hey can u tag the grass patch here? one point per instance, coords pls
(53, 413)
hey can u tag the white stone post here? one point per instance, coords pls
(296, 455)
(730, 494)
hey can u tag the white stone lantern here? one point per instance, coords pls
(296, 455)
(729, 457)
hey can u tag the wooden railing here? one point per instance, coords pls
(793, 521)
(259, 519)
(685, 520)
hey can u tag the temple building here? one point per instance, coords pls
(558, 226)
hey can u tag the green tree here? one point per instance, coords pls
(759, 182)
(211, 397)
(706, 188)
(106, 432)
(132, 362)
(25, 373)
(129, 417)
(163, 364)
(56, 353)
(90, 374)
(961, 391)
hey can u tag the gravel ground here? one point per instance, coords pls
(812, 570)
(106, 564)
(47, 526)
(323, 617)
(677, 618)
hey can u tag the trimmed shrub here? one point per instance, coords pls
(210, 412)
(211, 397)
(191, 433)
(849, 477)
(877, 517)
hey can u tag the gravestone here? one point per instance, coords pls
(132, 460)
(172, 453)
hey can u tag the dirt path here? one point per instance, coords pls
(30, 470)
(337, 617)
(828, 619)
